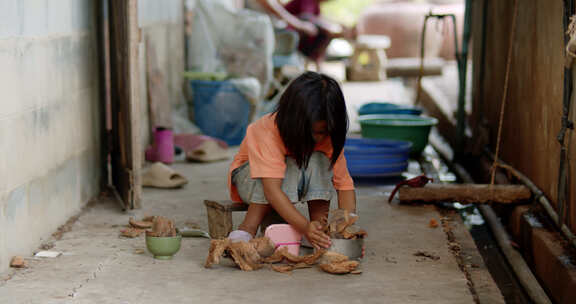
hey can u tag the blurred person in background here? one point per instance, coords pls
(304, 17)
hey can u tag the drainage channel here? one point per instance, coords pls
(494, 259)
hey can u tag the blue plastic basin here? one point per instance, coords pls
(368, 157)
(387, 108)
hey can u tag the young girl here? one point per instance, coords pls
(295, 154)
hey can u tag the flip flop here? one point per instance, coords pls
(162, 176)
(208, 151)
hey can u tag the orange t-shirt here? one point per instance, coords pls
(265, 150)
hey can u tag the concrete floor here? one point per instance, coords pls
(98, 266)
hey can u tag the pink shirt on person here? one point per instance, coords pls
(265, 150)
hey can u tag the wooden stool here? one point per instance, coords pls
(220, 222)
(220, 216)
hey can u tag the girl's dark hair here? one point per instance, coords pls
(310, 98)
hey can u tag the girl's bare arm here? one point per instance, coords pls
(275, 8)
(347, 200)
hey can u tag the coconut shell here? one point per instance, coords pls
(333, 257)
(283, 268)
(340, 268)
(140, 224)
(264, 246)
(131, 232)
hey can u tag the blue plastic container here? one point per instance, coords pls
(378, 171)
(387, 108)
(220, 110)
(372, 146)
(376, 157)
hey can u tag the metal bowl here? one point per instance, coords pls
(350, 248)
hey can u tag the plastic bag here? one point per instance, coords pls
(236, 41)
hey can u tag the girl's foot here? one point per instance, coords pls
(239, 236)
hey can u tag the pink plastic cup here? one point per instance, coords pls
(283, 235)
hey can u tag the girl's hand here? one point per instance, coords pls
(316, 236)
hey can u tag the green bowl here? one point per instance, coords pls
(411, 128)
(163, 248)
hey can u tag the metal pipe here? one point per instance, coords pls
(422, 48)
(540, 197)
(462, 60)
(523, 272)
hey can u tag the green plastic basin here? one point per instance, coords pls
(411, 128)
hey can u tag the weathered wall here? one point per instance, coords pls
(162, 25)
(533, 112)
(49, 118)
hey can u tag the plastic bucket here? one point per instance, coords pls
(283, 235)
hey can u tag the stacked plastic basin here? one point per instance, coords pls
(376, 157)
(390, 121)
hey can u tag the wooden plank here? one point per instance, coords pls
(466, 193)
(532, 117)
(125, 101)
(159, 104)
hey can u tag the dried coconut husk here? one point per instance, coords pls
(302, 266)
(283, 268)
(245, 255)
(140, 224)
(353, 232)
(18, 262)
(264, 246)
(287, 268)
(131, 232)
(339, 220)
(277, 256)
(148, 218)
(340, 268)
(217, 248)
(309, 259)
(282, 253)
(162, 227)
(333, 257)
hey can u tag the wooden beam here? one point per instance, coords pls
(125, 100)
(466, 193)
